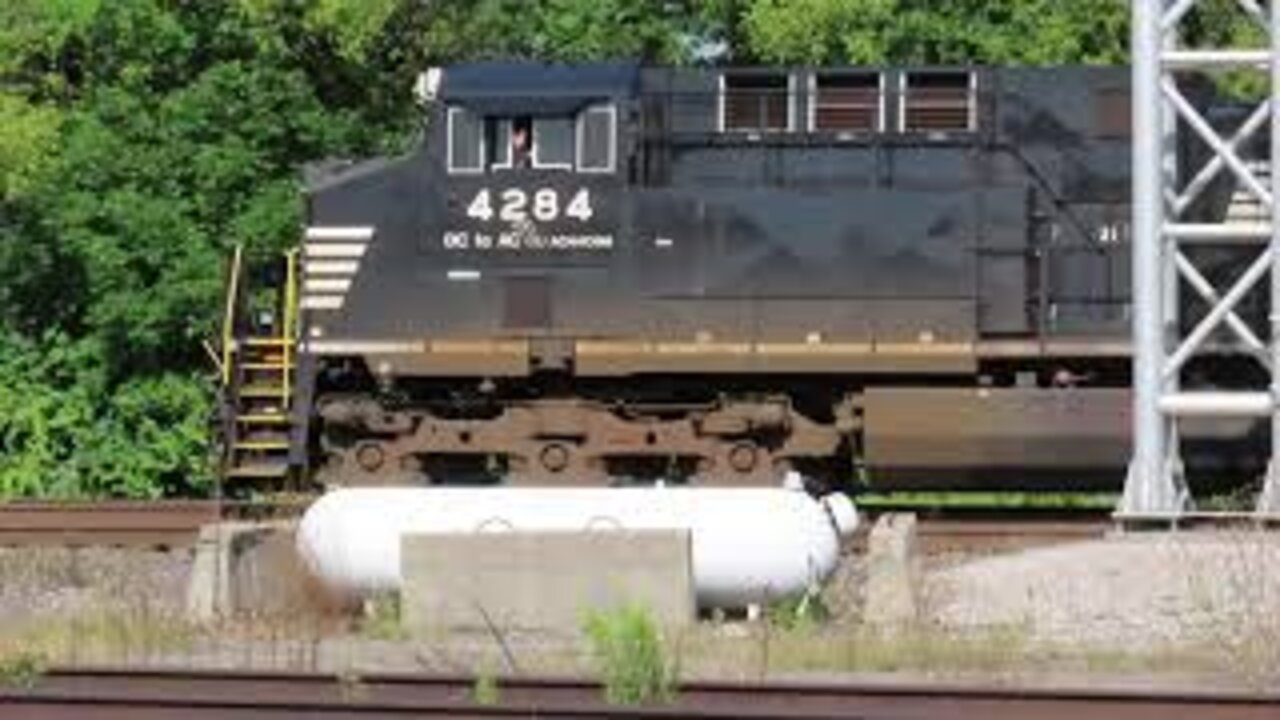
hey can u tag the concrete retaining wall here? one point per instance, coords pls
(892, 572)
(521, 581)
(250, 568)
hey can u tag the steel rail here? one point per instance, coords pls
(138, 523)
(177, 523)
(118, 693)
(975, 530)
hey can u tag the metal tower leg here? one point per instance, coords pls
(1150, 486)
(1269, 498)
(1169, 298)
(1155, 482)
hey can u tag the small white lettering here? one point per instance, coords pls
(525, 240)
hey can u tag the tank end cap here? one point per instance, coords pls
(843, 513)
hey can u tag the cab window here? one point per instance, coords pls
(498, 138)
(553, 143)
(585, 142)
(596, 129)
(466, 141)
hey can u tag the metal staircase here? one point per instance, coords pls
(258, 359)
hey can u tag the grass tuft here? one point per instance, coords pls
(22, 669)
(632, 659)
(382, 619)
(485, 690)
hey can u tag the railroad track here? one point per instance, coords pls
(967, 531)
(148, 695)
(968, 535)
(176, 523)
(136, 523)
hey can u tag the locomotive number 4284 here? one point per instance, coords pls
(513, 205)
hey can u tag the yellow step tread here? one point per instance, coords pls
(263, 418)
(258, 391)
(265, 405)
(262, 445)
(266, 365)
(258, 470)
(265, 341)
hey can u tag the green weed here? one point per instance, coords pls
(22, 669)
(381, 619)
(485, 690)
(633, 662)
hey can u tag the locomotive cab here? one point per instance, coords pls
(531, 161)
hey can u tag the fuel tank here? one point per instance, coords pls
(748, 544)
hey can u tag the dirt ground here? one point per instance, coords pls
(1145, 609)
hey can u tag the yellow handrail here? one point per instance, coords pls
(290, 312)
(229, 318)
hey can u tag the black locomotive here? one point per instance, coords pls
(613, 273)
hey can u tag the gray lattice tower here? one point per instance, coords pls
(1155, 484)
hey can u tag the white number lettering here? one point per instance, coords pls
(515, 206)
(580, 206)
(1109, 234)
(513, 203)
(546, 205)
(480, 208)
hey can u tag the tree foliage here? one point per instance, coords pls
(141, 139)
(1035, 32)
(564, 30)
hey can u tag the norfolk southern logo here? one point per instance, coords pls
(524, 233)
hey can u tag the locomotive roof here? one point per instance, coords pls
(531, 88)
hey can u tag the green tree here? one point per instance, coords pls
(1036, 32)
(564, 30)
(139, 140)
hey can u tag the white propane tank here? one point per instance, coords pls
(748, 544)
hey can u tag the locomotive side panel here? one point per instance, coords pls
(758, 269)
(1072, 136)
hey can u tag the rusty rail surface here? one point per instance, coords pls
(138, 523)
(118, 693)
(939, 535)
(176, 523)
(969, 532)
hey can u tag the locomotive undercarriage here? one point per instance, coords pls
(555, 429)
(576, 441)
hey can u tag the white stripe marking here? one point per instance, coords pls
(336, 250)
(463, 275)
(321, 302)
(330, 267)
(340, 285)
(337, 232)
(342, 347)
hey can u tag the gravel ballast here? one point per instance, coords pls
(1131, 592)
(67, 581)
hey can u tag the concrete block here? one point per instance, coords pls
(541, 581)
(248, 567)
(892, 583)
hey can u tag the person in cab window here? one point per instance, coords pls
(521, 143)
